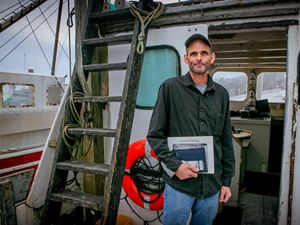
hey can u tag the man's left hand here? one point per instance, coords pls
(225, 194)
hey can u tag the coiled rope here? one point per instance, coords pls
(145, 18)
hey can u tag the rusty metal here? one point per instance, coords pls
(292, 162)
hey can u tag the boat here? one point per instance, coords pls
(257, 47)
(29, 103)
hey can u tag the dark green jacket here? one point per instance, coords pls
(182, 110)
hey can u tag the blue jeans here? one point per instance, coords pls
(178, 206)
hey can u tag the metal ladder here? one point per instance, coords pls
(107, 204)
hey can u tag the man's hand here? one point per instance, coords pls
(186, 171)
(225, 194)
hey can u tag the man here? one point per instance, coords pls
(193, 105)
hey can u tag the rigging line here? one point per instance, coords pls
(25, 38)
(69, 31)
(37, 17)
(37, 40)
(16, 4)
(62, 48)
(5, 18)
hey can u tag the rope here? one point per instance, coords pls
(70, 22)
(146, 222)
(145, 18)
(147, 178)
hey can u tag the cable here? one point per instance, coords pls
(62, 48)
(145, 221)
(70, 22)
(37, 17)
(16, 4)
(60, 52)
(69, 31)
(15, 9)
(40, 46)
(147, 178)
(25, 38)
(45, 19)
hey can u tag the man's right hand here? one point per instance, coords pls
(186, 171)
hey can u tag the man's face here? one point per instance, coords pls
(199, 57)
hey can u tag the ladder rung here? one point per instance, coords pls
(93, 131)
(85, 167)
(107, 66)
(79, 199)
(98, 99)
(116, 40)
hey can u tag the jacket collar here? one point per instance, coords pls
(188, 81)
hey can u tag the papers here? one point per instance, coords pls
(197, 151)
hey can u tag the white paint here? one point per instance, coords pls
(295, 33)
(19, 167)
(293, 49)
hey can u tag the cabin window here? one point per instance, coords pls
(17, 95)
(54, 95)
(271, 86)
(234, 82)
(160, 63)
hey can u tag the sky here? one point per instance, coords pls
(21, 42)
(27, 53)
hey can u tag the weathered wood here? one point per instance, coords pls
(113, 185)
(84, 167)
(252, 25)
(116, 40)
(253, 65)
(98, 99)
(99, 85)
(250, 45)
(268, 61)
(108, 66)
(265, 54)
(7, 203)
(244, 37)
(124, 125)
(225, 12)
(256, 60)
(78, 199)
(93, 131)
(24, 178)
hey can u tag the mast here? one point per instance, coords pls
(56, 36)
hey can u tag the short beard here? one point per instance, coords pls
(199, 71)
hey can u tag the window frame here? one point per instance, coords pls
(32, 86)
(178, 71)
(260, 86)
(246, 87)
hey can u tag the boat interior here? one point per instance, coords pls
(260, 55)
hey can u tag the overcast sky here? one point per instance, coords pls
(26, 52)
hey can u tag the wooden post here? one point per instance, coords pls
(98, 81)
(94, 184)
